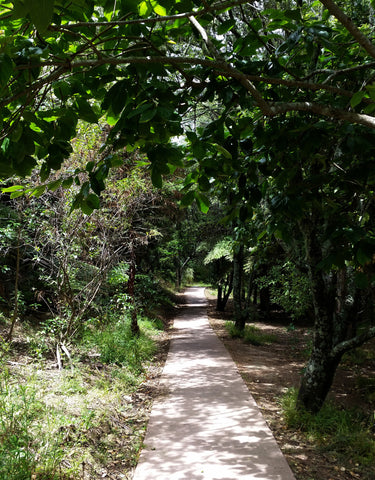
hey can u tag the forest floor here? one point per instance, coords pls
(270, 370)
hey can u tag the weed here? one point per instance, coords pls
(117, 345)
(250, 334)
(25, 447)
(347, 433)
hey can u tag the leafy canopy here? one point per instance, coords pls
(145, 65)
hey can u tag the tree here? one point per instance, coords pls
(146, 64)
(320, 192)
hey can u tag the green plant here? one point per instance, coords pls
(26, 446)
(117, 344)
(289, 288)
(347, 433)
(250, 334)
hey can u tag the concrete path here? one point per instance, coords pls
(207, 426)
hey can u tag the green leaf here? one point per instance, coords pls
(86, 209)
(188, 198)
(90, 166)
(13, 188)
(21, 8)
(116, 97)
(223, 151)
(17, 194)
(38, 191)
(159, 9)
(360, 280)
(52, 186)
(144, 8)
(226, 26)
(62, 90)
(357, 98)
(156, 178)
(140, 109)
(204, 183)
(41, 12)
(85, 111)
(203, 202)
(67, 183)
(24, 166)
(148, 115)
(93, 201)
(363, 257)
(6, 69)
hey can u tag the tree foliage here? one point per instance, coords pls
(288, 147)
(146, 64)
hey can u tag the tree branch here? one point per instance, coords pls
(357, 341)
(268, 109)
(349, 25)
(165, 18)
(323, 110)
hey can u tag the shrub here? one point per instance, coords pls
(289, 288)
(250, 334)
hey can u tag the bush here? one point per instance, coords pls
(250, 334)
(289, 288)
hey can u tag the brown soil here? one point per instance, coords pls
(270, 370)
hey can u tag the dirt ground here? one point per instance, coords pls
(271, 370)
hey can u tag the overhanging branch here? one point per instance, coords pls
(323, 110)
(223, 68)
(336, 11)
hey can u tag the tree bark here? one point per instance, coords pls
(321, 367)
(317, 379)
(131, 289)
(239, 316)
(224, 289)
(16, 281)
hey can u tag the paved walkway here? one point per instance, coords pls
(207, 426)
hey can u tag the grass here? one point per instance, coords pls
(250, 334)
(117, 345)
(67, 424)
(348, 434)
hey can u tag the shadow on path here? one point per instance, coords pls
(207, 425)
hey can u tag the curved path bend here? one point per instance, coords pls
(207, 426)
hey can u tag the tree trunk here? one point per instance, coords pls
(321, 367)
(265, 300)
(9, 336)
(178, 277)
(239, 316)
(317, 380)
(131, 282)
(224, 289)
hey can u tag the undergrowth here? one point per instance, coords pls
(64, 424)
(117, 345)
(250, 334)
(348, 434)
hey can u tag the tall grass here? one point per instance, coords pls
(117, 345)
(27, 449)
(347, 433)
(250, 334)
